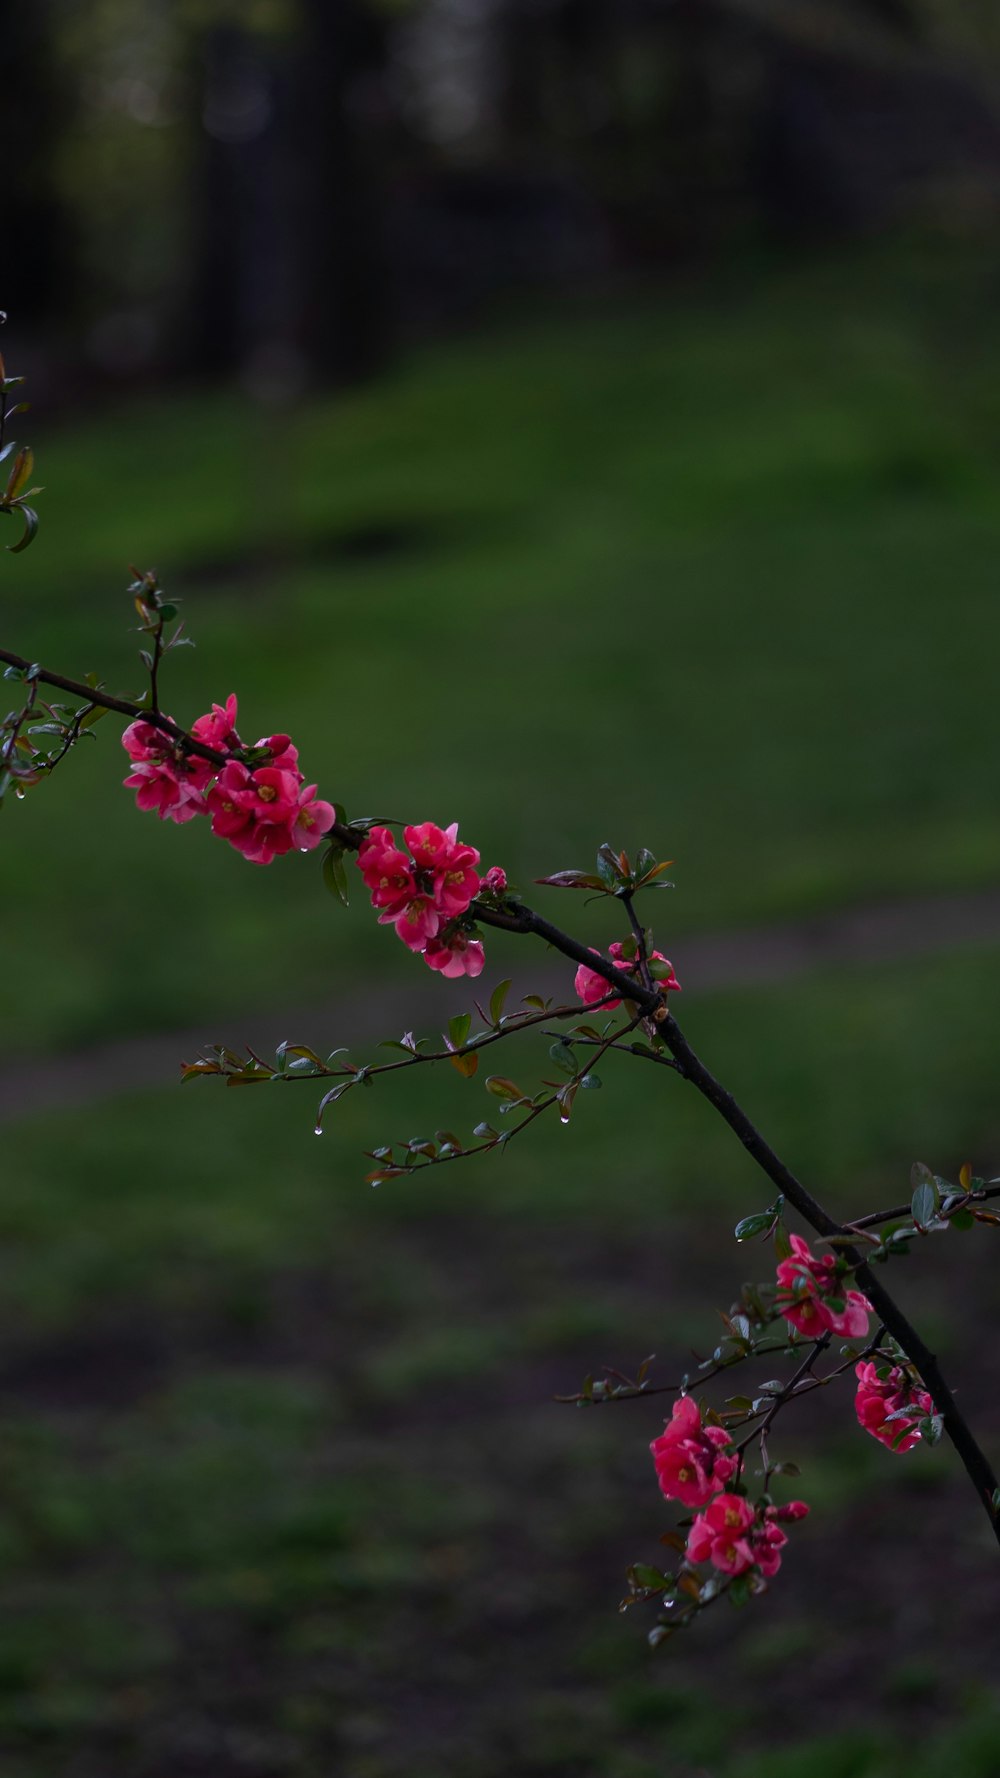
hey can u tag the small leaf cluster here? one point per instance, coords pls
(615, 874)
(936, 1205)
(16, 493)
(461, 1048)
(35, 738)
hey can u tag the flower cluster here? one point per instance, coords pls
(592, 987)
(694, 1463)
(811, 1295)
(427, 892)
(258, 802)
(889, 1404)
(735, 1536)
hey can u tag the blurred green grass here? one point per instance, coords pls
(726, 565)
(282, 1471)
(283, 1491)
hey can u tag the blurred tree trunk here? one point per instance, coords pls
(36, 284)
(341, 136)
(239, 248)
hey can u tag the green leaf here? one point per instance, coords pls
(563, 1056)
(565, 1099)
(94, 715)
(648, 1578)
(465, 1063)
(497, 1001)
(20, 473)
(758, 1224)
(571, 879)
(782, 1241)
(458, 1028)
(502, 1088)
(30, 518)
(921, 1175)
(335, 874)
(608, 869)
(925, 1200)
(591, 1082)
(331, 1097)
(962, 1219)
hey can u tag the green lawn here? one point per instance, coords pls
(282, 1469)
(283, 1492)
(717, 576)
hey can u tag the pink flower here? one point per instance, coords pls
(439, 855)
(879, 1397)
(766, 1541)
(455, 956)
(592, 987)
(218, 728)
(230, 802)
(158, 786)
(812, 1296)
(275, 795)
(495, 880)
(284, 757)
(312, 820)
(142, 741)
(434, 847)
(418, 922)
(692, 1461)
(262, 810)
(387, 871)
(718, 1535)
(267, 841)
(794, 1509)
(421, 892)
(735, 1537)
(147, 745)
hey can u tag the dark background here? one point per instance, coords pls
(579, 420)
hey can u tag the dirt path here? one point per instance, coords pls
(882, 932)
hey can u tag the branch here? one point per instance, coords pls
(125, 707)
(515, 916)
(901, 1210)
(896, 1323)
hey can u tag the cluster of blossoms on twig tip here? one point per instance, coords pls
(592, 987)
(694, 1462)
(426, 892)
(811, 1295)
(257, 801)
(890, 1403)
(737, 1537)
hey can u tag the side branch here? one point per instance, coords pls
(896, 1323)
